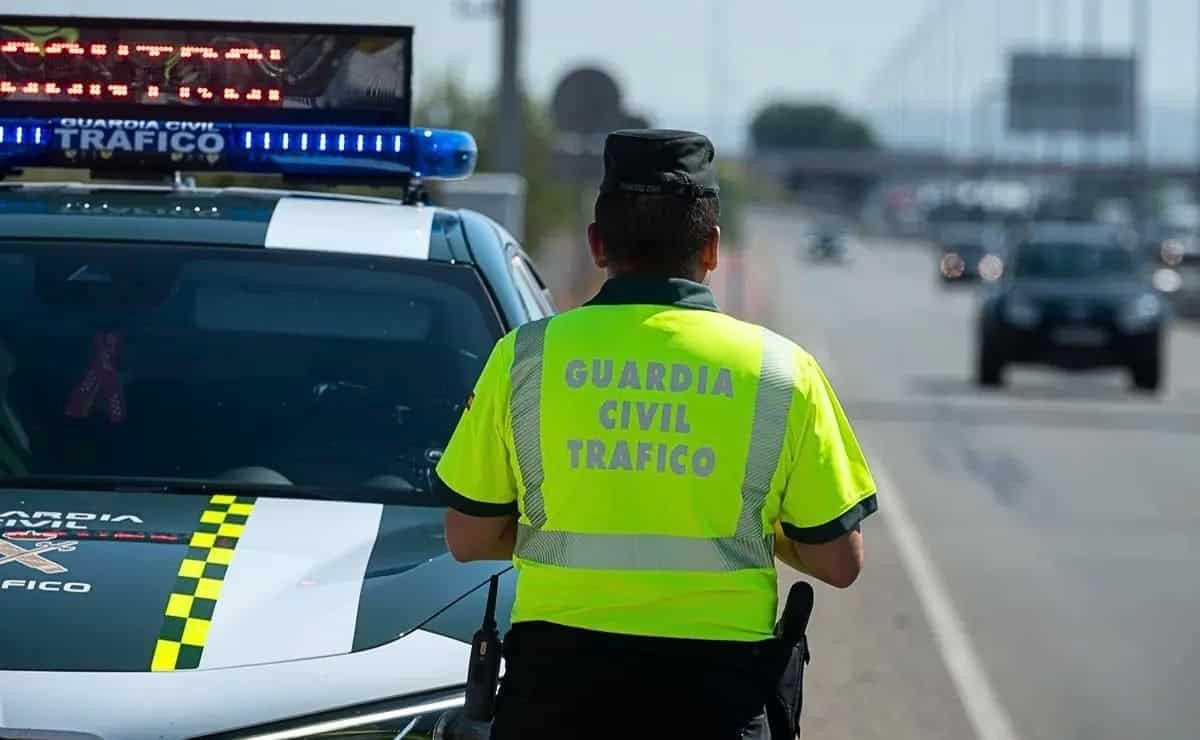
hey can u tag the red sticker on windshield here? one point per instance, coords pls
(101, 381)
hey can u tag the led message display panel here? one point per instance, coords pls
(209, 71)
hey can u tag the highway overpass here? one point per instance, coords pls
(785, 165)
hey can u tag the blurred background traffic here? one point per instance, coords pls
(957, 124)
(947, 126)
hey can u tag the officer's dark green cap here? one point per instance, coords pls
(659, 161)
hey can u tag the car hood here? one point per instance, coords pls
(135, 582)
(1104, 291)
(966, 250)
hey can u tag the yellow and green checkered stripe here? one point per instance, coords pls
(189, 609)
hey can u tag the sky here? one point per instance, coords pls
(709, 64)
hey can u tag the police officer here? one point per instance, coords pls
(643, 459)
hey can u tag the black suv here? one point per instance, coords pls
(1074, 297)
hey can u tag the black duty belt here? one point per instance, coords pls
(547, 638)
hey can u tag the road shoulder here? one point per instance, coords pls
(876, 671)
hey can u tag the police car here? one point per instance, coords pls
(220, 408)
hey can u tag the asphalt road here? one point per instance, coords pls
(1033, 570)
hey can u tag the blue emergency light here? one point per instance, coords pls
(288, 149)
(292, 99)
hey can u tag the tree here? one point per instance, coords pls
(786, 125)
(549, 205)
(790, 126)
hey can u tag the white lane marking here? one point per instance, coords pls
(293, 588)
(979, 699)
(350, 227)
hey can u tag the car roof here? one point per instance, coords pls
(321, 222)
(247, 217)
(979, 232)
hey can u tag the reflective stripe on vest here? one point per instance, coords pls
(526, 409)
(748, 548)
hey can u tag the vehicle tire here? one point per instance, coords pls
(1147, 371)
(990, 368)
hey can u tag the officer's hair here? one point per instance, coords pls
(655, 234)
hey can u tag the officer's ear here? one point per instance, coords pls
(710, 254)
(596, 244)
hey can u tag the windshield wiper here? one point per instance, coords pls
(190, 487)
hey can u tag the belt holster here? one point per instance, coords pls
(787, 697)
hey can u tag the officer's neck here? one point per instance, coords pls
(696, 276)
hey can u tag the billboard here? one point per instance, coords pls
(1072, 93)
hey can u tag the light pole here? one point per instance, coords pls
(1057, 44)
(956, 66)
(1139, 120)
(1140, 24)
(1093, 43)
(511, 128)
(919, 47)
(510, 125)
(989, 94)
(718, 73)
(1198, 101)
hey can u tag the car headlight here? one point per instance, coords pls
(991, 268)
(1022, 313)
(1141, 313)
(431, 716)
(1167, 280)
(952, 265)
(1172, 252)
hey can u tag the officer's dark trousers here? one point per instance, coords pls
(564, 683)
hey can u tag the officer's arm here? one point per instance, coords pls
(475, 475)
(829, 488)
(479, 537)
(837, 563)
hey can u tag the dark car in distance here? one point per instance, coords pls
(1074, 297)
(827, 246)
(826, 243)
(971, 253)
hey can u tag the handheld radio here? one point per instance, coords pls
(483, 673)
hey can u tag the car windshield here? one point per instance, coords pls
(966, 249)
(1071, 261)
(331, 372)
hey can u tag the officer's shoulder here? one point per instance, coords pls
(751, 329)
(805, 363)
(534, 326)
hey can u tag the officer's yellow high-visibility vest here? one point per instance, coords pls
(649, 444)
